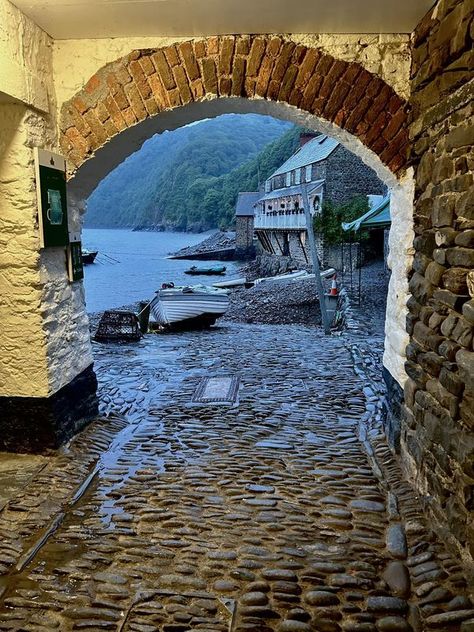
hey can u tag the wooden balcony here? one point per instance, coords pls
(281, 220)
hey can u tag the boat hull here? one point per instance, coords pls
(89, 257)
(206, 272)
(171, 306)
(204, 321)
(230, 283)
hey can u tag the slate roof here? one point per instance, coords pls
(245, 203)
(313, 151)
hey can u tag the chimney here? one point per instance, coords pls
(305, 137)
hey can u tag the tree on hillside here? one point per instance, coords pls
(156, 186)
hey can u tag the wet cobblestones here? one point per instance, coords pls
(283, 512)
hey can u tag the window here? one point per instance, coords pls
(308, 173)
(317, 204)
(267, 186)
(288, 179)
(298, 176)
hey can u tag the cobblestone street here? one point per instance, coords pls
(280, 511)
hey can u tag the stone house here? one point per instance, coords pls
(331, 172)
(244, 224)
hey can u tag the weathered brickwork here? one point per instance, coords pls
(149, 81)
(437, 437)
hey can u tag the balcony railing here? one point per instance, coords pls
(281, 220)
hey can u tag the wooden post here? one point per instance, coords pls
(143, 316)
(315, 260)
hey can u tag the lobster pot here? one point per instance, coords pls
(119, 326)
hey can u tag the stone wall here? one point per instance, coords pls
(347, 176)
(36, 282)
(25, 107)
(336, 257)
(43, 345)
(26, 54)
(399, 262)
(298, 247)
(23, 369)
(244, 247)
(437, 439)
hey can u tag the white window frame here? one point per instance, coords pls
(267, 186)
(288, 178)
(319, 193)
(307, 173)
(298, 176)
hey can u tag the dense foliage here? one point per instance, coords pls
(328, 222)
(220, 194)
(188, 179)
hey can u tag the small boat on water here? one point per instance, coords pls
(88, 256)
(207, 271)
(179, 307)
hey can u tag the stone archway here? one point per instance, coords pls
(147, 82)
(149, 90)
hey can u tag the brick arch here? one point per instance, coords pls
(147, 82)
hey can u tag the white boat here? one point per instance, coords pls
(188, 305)
(230, 283)
(283, 277)
(299, 275)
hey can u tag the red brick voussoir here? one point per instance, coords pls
(146, 82)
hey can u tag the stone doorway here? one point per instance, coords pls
(149, 90)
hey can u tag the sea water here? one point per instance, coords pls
(131, 266)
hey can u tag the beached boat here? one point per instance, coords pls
(231, 283)
(188, 306)
(299, 275)
(207, 271)
(88, 256)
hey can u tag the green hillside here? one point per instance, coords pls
(188, 179)
(219, 195)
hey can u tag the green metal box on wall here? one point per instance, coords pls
(50, 171)
(75, 268)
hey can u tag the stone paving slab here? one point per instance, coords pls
(286, 512)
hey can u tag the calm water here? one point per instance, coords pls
(140, 268)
